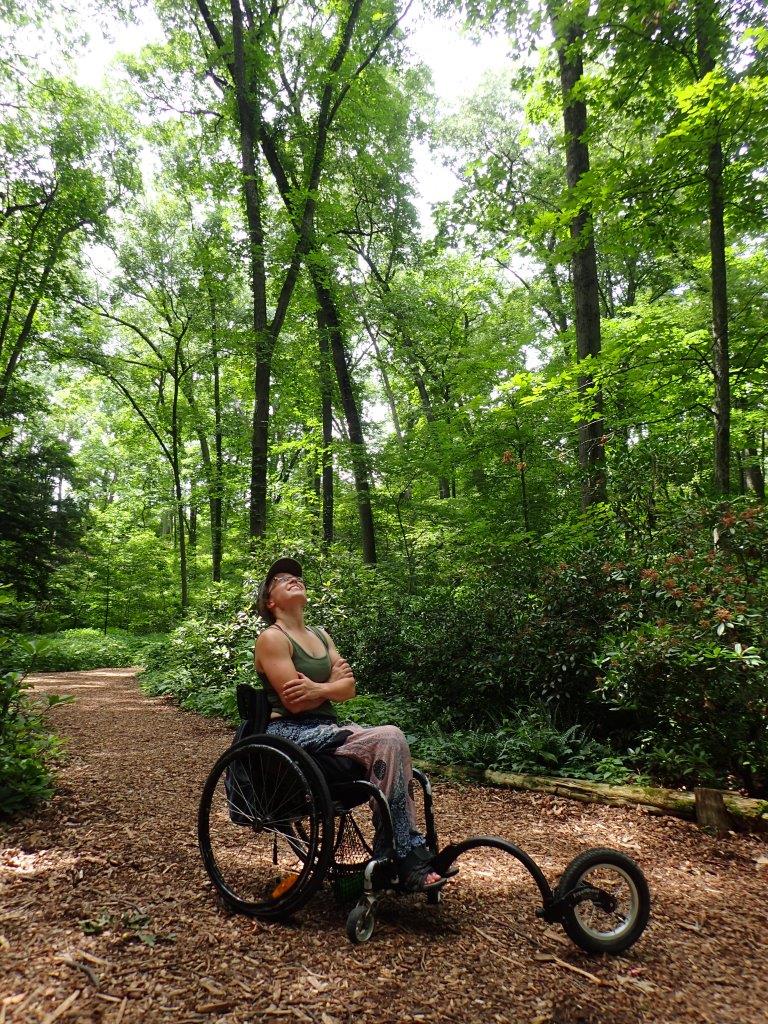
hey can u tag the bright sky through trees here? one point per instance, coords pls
(457, 63)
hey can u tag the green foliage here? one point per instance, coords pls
(639, 656)
(682, 659)
(74, 650)
(530, 743)
(373, 709)
(121, 575)
(28, 750)
(66, 159)
(36, 533)
(202, 663)
(699, 706)
(501, 626)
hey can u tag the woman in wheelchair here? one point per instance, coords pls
(304, 677)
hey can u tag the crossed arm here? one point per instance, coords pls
(296, 691)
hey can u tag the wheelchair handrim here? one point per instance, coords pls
(306, 842)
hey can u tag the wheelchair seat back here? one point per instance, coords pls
(253, 706)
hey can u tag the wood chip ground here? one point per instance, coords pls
(106, 914)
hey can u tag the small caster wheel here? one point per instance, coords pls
(360, 924)
(435, 897)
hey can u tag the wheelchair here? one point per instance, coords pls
(275, 823)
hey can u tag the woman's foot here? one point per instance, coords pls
(421, 879)
(417, 873)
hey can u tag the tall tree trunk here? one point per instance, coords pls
(558, 314)
(522, 468)
(569, 37)
(387, 389)
(212, 473)
(180, 536)
(524, 501)
(705, 46)
(165, 528)
(26, 329)
(750, 461)
(255, 133)
(177, 489)
(193, 522)
(173, 525)
(326, 402)
(216, 484)
(443, 484)
(380, 362)
(249, 119)
(15, 278)
(720, 340)
(212, 467)
(260, 449)
(754, 478)
(333, 328)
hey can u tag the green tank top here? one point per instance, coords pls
(317, 669)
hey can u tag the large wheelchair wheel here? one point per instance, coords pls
(265, 827)
(612, 902)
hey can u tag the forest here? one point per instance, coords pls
(518, 441)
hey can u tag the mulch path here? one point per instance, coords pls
(106, 914)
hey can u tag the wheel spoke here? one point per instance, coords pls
(243, 809)
(260, 806)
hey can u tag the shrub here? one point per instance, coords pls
(186, 690)
(83, 649)
(28, 750)
(682, 677)
(373, 709)
(699, 705)
(530, 743)
(201, 663)
(638, 652)
(28, 616)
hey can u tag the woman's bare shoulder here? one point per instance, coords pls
(272, 640)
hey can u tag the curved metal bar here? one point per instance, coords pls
(423, 781)
(429, 814)
(445, 858)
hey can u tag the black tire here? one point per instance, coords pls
(606, 929)
(360, 924)
(265, 827)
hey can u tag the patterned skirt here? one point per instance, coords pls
(384, 753)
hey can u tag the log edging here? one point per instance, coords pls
(749, 814)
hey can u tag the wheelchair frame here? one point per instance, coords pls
(328, 805)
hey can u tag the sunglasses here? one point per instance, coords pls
(285, 577)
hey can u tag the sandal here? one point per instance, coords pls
(415, 869)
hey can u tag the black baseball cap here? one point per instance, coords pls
(289, 565)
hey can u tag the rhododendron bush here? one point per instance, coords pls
(653, 647)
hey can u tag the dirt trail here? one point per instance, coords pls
(106, 915)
